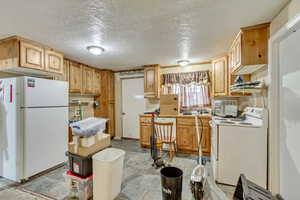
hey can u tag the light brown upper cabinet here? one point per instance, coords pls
(151, 81)
(65, 75)
(249, 51)
(220, 77)
(19, 55)
(54, 61)
(107, 100)
(66, 71)
(97, 82)
(75, 77)
(32, 55)
(87, 80)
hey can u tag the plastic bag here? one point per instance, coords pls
(211, 190)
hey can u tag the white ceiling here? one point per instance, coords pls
(135, 32)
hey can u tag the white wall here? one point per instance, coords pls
(285, 15)
(290, 117)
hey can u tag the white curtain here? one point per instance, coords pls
(190, 95)
(191, 87)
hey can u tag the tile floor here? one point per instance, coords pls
(140, 180)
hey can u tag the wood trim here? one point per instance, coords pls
(180, 150)
(257, 26)
(132, 139)
(134, 77)
(129, 70)
(166, 66)
(192, 64)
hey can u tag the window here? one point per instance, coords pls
(192, 88)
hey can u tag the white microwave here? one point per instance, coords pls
(225, 108)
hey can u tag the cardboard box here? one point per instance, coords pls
(169, 104)
(102, 141)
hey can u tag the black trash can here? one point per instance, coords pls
(171, 182)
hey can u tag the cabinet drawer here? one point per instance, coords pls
(186, 121)
(191, 121)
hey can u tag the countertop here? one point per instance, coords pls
(179, 116)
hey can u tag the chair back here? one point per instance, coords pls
(164, 131)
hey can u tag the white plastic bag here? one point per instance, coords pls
(211, 190)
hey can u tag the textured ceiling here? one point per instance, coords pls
(135, 32)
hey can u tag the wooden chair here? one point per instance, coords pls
(164, 133)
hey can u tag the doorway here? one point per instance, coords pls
(133, 104)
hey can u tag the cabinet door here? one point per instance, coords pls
(31, 56)
(65, 75)
(87, 79)
(145, 132)
(151, 81)
(220, 77)
(236, 53)
(66, 72)
(75, 83)
(205, 141)
(230, 61)
(238, 50)
(97, 82)
(184, 137)
(54, 61)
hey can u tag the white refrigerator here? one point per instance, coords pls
(33, 126)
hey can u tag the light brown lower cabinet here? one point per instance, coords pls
(205, 141)
(183, 137)
(145, 132)
(186, 137)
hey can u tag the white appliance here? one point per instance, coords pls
(225, 108)
(240, 146)
(35, 126)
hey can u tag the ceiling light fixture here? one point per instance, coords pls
(95, 50)
(183, 62)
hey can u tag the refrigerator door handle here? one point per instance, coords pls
(11, 93)
(218, 141)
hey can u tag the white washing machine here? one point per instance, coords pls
(240, 146)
